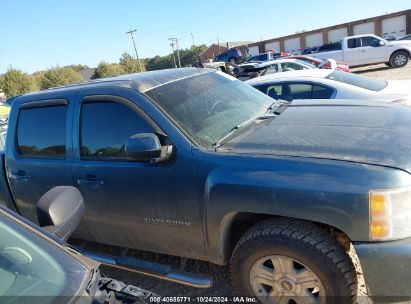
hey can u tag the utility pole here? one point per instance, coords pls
(172, 47)
(175, 42)
(131, 32)
(192, 38)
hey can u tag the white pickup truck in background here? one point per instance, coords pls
(370, 49)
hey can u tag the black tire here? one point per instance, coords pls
(302, 242)
(399, 59)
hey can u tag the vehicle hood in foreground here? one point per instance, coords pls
(358, 131)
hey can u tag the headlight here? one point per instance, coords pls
(390, 214)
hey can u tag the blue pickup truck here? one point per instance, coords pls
(194, 163)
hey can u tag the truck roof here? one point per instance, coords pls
(141, 82)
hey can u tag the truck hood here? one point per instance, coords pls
(397, 43)
(357, 131)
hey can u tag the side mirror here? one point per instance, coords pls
(381, 43)
(146, 147)
(60, 210)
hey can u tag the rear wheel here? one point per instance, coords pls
(399, 59)
(289, 261)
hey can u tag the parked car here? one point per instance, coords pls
(267, 56)
(328, 84)
(231, 55)
(321, 63)
(406, 37)
(194, 163)
(369, 49)
(38, 267)
(251, 70)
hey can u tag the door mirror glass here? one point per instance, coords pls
(146, 147)
(60, 210)
(381, 43)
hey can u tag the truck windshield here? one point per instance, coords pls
(359, 81)
(30, 266)
(206, 107)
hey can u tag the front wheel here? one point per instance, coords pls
(288, 261)
(399, 59)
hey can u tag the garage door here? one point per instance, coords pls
(314, 40)
(253, 50)
(272, 46)
(365, 28)
(337, 34)
(292, 45)
(394, 26)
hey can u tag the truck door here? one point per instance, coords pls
(351, 53)
(371, 51)
(142, 205)
(38, 151)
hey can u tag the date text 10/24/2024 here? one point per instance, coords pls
(202, 299)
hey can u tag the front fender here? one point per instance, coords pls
(324, 191)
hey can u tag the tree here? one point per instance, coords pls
(15, 82)
(105, 69)
(188, 57)
(131, 65)
(38, 76)
(57, 76)
(78, 67)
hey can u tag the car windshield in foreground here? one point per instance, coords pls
(30, 266)
(207, 107)
(359, 81)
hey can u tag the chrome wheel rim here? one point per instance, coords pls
(282, 280)
(400, 59)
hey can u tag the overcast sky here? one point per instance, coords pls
(35, 35)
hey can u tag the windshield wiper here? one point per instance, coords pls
(242, 126)
(278, 103)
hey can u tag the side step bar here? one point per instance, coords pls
(159, 271)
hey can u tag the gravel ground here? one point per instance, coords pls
(220, 274)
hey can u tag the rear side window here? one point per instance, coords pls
(320, 92)
(354, 43)
(105, 127)
(41, 132)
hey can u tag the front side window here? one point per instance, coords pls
(270, 70)
(370, 41)
(41, 132)
(105, 127)
(291, 66)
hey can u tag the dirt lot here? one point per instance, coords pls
(220, 274)
(381, 71)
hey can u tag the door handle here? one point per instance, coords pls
(91, 181)
(20, 176)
